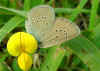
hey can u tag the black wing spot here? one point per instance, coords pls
(56, 30)
(44, 17)
(47, 23)
(64, 31)
(56, 36)
(65, 34)
(38, 17)
(60, 30)
(38, 21)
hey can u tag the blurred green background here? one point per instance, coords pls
(79, 54)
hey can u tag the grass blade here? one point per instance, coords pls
(95, 4)
(53, 59)
(96, 36)
(13, 4)
(78, 10)
(69, 10)
(86, 51)
(4, 67)
(9, 11)
(27, 5)
(9, 26)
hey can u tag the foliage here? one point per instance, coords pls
(79, 54)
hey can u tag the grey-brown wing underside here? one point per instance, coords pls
(40, 20)
(62, 31)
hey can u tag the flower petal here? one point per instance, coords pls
(13, 45)
(28, 42)
(25, 61)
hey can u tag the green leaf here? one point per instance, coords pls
(3, 56)
(95, 4)
(13, 4)
(27, 4)
(78, 10)
(9, 26)
(70, 10)
(37, 2)
(9, 11)
(53, 60)
(86, 51)
(15, 66)
(68, 3)
(34, 69)
(4, 67)
(96, 37)
(4, 2)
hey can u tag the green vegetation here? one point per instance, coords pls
(79, 54)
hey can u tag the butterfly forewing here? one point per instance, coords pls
(62, 31)
(40, 20)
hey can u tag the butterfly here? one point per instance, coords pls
(48, 29)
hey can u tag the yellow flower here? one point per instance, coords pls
(24, 61)
(21, 42)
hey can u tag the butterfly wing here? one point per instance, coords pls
(40, 20)
(62, 31)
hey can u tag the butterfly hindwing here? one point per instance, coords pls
(62, 31)
(40, 20)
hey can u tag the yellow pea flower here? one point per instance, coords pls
(24, 61)
(21, 42)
